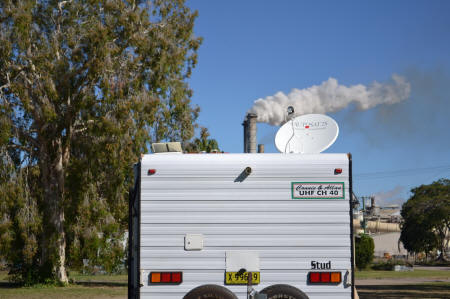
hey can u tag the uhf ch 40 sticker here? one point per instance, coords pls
(318, 190)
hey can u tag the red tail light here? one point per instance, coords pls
(314, 277)
(324, 277)
(176, 277)
(166, 277)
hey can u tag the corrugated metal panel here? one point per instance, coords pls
(226, 185)
(246, 229)
(157, 206)
(278, 217)
(219, 263)
(279, 241)
(302, 252)
(222, 194)
(202, 194)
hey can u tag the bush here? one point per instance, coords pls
(364, 249)
(389, 265)
(384, 266)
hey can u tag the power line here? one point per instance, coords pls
(402, 172)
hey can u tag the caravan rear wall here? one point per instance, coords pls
(202, 215)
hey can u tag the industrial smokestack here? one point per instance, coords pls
(251, 118)
(245, 125)
(260, 148)
(330, 97)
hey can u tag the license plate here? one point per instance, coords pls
(237, 278)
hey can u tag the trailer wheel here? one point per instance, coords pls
(283, 291)
(210, 291)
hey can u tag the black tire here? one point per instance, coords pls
(210, 291)
(283, 291)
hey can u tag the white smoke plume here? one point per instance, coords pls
(330, 97)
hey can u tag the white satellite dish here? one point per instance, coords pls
(307, 134)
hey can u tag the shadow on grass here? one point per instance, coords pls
(13, 285)
(9, 285)
(403, 291)
(100, 283)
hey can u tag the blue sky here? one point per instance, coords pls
(253, 49)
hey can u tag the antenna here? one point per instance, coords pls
(306, 134)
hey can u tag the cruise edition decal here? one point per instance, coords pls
(317, 190)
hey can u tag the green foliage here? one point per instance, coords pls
(85, 87)
(389, 265)
(20, 223)
(364, 250)
(384, 266)
(426, 218)
(202, 144)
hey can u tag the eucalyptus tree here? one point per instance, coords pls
(85, 85)
(20, 221)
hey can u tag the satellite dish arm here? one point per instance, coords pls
(292, 136)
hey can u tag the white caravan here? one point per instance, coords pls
(201, 223)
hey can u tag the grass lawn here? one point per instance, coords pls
(408, 285)
(117, 279)
(82, 287)
(72, 291)
(409, 291)
(373, 274)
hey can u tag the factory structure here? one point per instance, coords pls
(249, 125)
(381, 223)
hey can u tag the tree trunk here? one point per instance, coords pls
(442, 235)
(54, 239)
